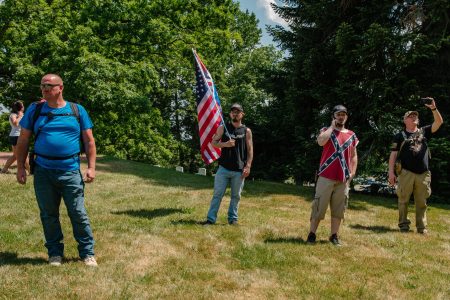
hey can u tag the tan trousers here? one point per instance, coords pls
(418, 185)
(329, 192)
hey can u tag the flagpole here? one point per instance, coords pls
(212, 93)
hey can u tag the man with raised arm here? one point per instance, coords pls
(411, 145)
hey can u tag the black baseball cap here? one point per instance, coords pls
(237, 106)
(339, 108)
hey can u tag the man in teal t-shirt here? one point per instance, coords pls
(57, 173)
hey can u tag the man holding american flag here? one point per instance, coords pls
(234, 163)
(234, 149)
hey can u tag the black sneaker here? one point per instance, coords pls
(311, 238)
(207, 222)
(404, 230)
(233, 222)
(335, 240)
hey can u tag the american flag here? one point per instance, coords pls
(208, 110)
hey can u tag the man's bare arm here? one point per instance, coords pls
(21, 154)
(438, 120)
(91, 154)
(392, 158)
(218, 136)
(249, 143)
(324, 136)
(354, 160)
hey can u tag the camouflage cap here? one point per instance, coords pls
(237, 106)
(410, 112)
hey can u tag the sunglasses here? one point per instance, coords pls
(45, 86)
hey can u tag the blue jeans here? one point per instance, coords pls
(221, 180)
(50, 185)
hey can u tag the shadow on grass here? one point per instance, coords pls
(377, 229)
(74, 259)
(187, 222)
(256, 188)
(362, 201)
(196, 222)
(293, 240)
(169, 177)
(357, 206)
(151, 214)
(10, 258)
(285, 240)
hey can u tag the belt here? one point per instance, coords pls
(57, 157)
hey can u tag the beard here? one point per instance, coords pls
(339, 124)
(235, 120)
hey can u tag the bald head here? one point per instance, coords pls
(52, 88)
(52, 78)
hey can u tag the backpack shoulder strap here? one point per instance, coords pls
(404, 135)
(422, 133)
(75, 111)
(36, 114)
(403, 142)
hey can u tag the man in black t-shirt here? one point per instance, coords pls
(234, 164)
(411, 145)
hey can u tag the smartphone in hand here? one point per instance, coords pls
(426, 100)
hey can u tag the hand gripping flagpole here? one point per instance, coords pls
(212, 93)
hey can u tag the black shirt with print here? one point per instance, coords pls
(414, 154)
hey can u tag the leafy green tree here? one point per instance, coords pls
(5, 128)
(128, 62)
(253, 83)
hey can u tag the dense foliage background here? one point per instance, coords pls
(377, 58)
(130, 64)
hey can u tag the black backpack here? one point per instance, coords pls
(75, 113)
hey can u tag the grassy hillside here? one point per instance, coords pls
(149, 244)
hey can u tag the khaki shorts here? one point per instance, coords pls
(332, 192)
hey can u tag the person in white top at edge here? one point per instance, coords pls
(14, 118)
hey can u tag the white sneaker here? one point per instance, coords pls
(55, 260)
(90, 261)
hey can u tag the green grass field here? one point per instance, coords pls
(149, 244)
